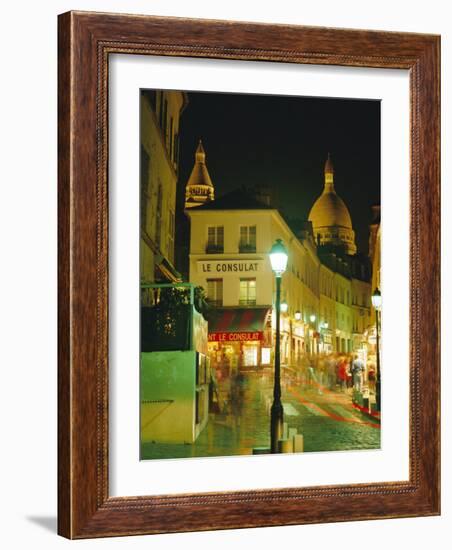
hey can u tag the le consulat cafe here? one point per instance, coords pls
(230, 240)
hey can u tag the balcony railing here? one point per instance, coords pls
(213, 248)
(247, 248)
(247, 302)
(170, 319)
(215, 303)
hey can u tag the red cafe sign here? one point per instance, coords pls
(236, 336)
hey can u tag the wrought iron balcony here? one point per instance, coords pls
(213, 248)
(247, 248)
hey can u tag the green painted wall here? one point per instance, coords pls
(167, 394)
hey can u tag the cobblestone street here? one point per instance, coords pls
(327, 419)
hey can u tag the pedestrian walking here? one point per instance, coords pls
(357, 371)
(371, 377)
(331, 372)
(313, 379)
(342, 373)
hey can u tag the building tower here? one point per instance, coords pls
(331, 221)
(199, 188)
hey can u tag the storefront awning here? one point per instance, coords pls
(248, 322)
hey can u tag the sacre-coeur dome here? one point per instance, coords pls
(329, 210)
(330, 218)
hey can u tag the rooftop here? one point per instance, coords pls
(239, 199)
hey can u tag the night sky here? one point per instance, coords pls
(283, 142)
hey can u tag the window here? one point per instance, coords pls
(170, 139)
(158, 217)
(176, 151)
(215, 291)
(247, 292)
(164, 121)
(171, 235)
(247, 238)
(215, 239)
(145, 182)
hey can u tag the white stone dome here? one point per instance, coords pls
(330, 218)
(330, 210)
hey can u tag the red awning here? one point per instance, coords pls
(237, 320)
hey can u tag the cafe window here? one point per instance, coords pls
(247, 292)
(250, 355)
(215, 292)
(247, 238)
(215, 238)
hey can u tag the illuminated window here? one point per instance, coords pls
(247, 238)
(266, 356)
(215, 291)
(215, 239)
(247, 292)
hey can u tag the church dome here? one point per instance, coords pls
(199, 188)
(330, 218)
(330, 210)
(200, 174)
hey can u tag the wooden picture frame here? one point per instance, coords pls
(86, 40)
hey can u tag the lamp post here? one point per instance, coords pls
(376, 302)
(278, 259)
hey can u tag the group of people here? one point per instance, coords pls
(337, 371)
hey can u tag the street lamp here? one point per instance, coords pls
(284, 307)
(278, 260)
(297, 315)
(376, 302)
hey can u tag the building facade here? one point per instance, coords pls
(229, 257)
(375, 258)
(160, 113)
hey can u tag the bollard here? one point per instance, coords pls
(285, 446)
(285, 431)
(298, 443)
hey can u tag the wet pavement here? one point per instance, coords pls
(327, 420)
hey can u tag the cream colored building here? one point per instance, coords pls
(375, 258)
(159, 155)
(229, 257)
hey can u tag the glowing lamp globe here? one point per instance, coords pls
(297, 315)
(284, 307)
(278, 258)
(376, 299)
(312, 318)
